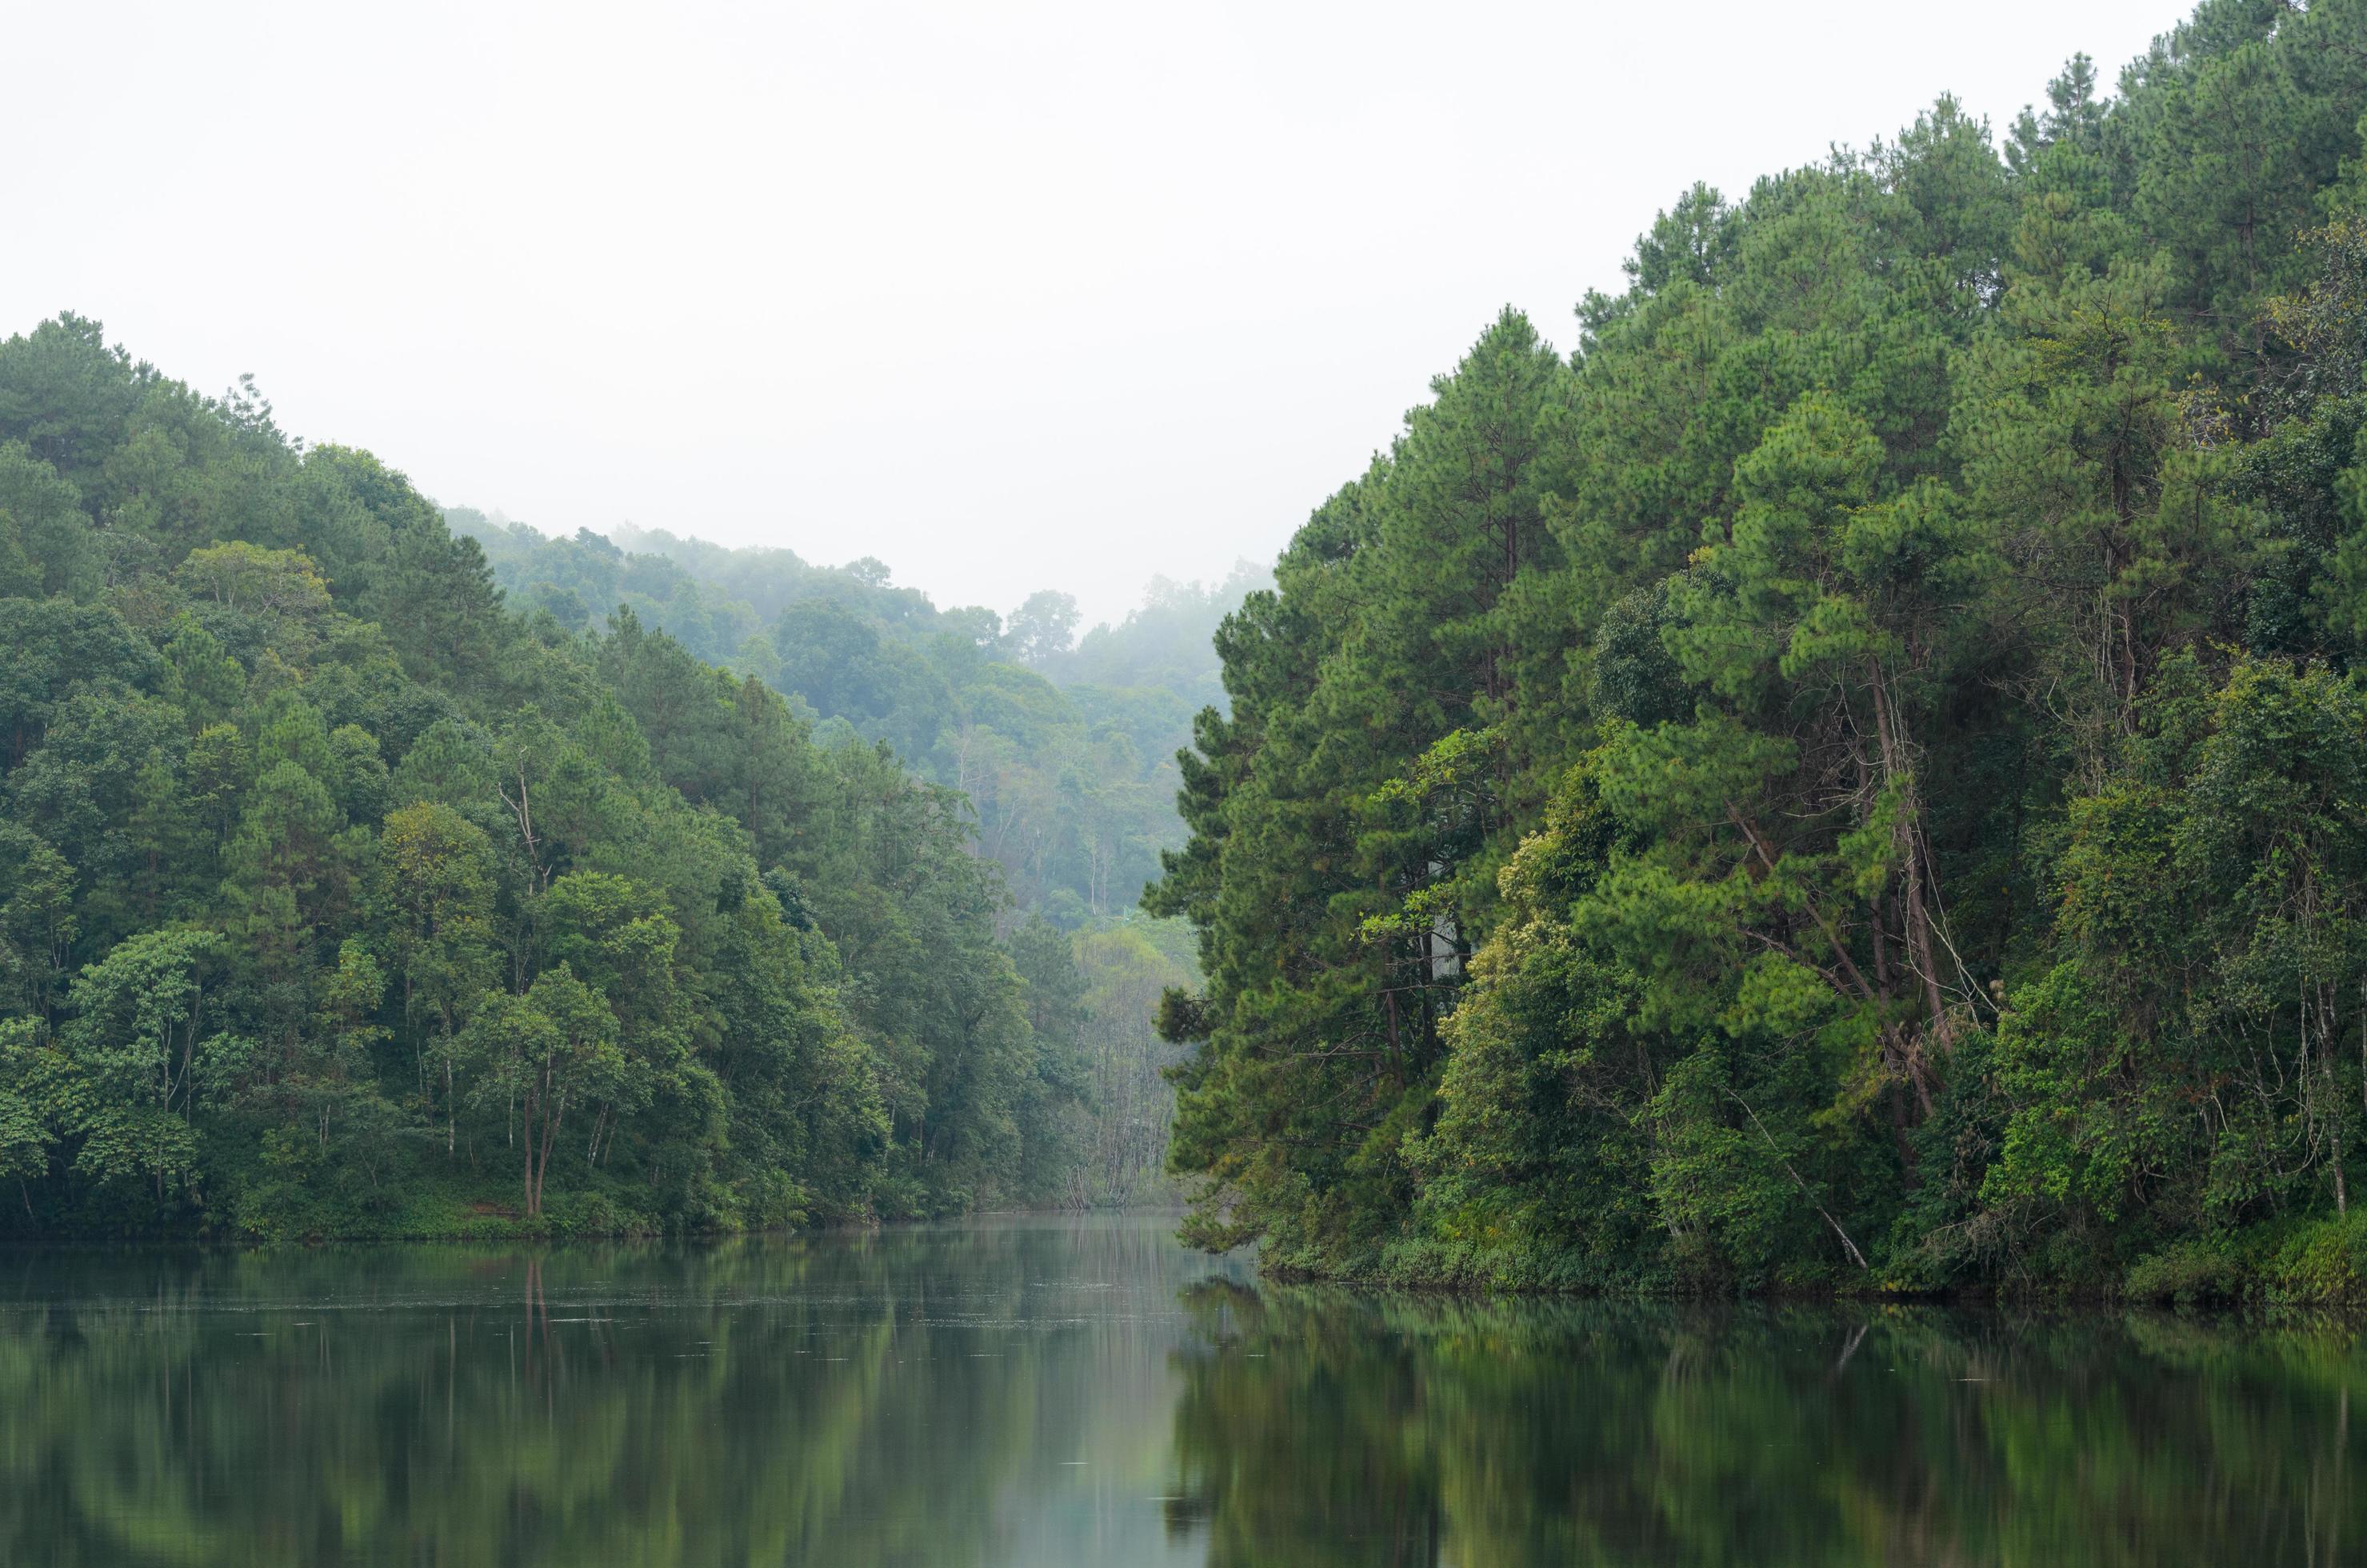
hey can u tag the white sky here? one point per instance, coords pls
(1010, 295)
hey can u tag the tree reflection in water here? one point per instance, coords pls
(1322, 1426)
(1051, 1393)
(916, 1396)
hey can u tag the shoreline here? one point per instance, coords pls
(2316, 1263)
(494, 1229)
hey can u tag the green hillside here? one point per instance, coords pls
(338, 897)
(1853, 776)
(1065, 746)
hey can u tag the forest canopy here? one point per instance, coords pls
(339, 896)
(1851, 775)
(1065, 746)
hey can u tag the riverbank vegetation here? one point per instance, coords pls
(339, 897)
(1852, 778)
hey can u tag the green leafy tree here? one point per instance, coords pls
(554, 1048)
(136, 1038)
(431, 896)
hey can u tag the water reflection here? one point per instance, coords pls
(1087, 1392)
(996, 1394)
(1320, 1426)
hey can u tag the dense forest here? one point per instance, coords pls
(339, 896)
(1064, 746)
(1857, 775)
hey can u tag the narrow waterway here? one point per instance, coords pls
(1049, 1391)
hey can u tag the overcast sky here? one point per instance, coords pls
(1007, 295)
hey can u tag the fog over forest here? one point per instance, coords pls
(1042, 294)
(1835, 772)
(1038, 785)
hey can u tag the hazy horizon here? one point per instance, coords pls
(634, 538)
(1056, 297)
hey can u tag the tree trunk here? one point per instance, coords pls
(1917, 934)
(550, 1140)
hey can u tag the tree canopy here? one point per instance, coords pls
(341, 896)
(1844, 777)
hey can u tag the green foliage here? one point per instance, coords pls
(1060, 752)
(1852, 778)
(336, 897)
(1064, 748)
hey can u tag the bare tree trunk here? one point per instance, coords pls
(549, 1139)
(1917, 934)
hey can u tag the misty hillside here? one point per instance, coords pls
(339, 897)
(1065, 744)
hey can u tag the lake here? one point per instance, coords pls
(1055, 1391)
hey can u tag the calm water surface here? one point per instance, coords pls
(1055, 1393)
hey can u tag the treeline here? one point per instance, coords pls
(1854, 776)
(1064, 746)
(337, 897)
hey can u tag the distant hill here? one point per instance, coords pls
(1065, 745)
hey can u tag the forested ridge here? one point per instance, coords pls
(339, 897)
(1856, 775)
(1064, 746)
(1062, 749)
